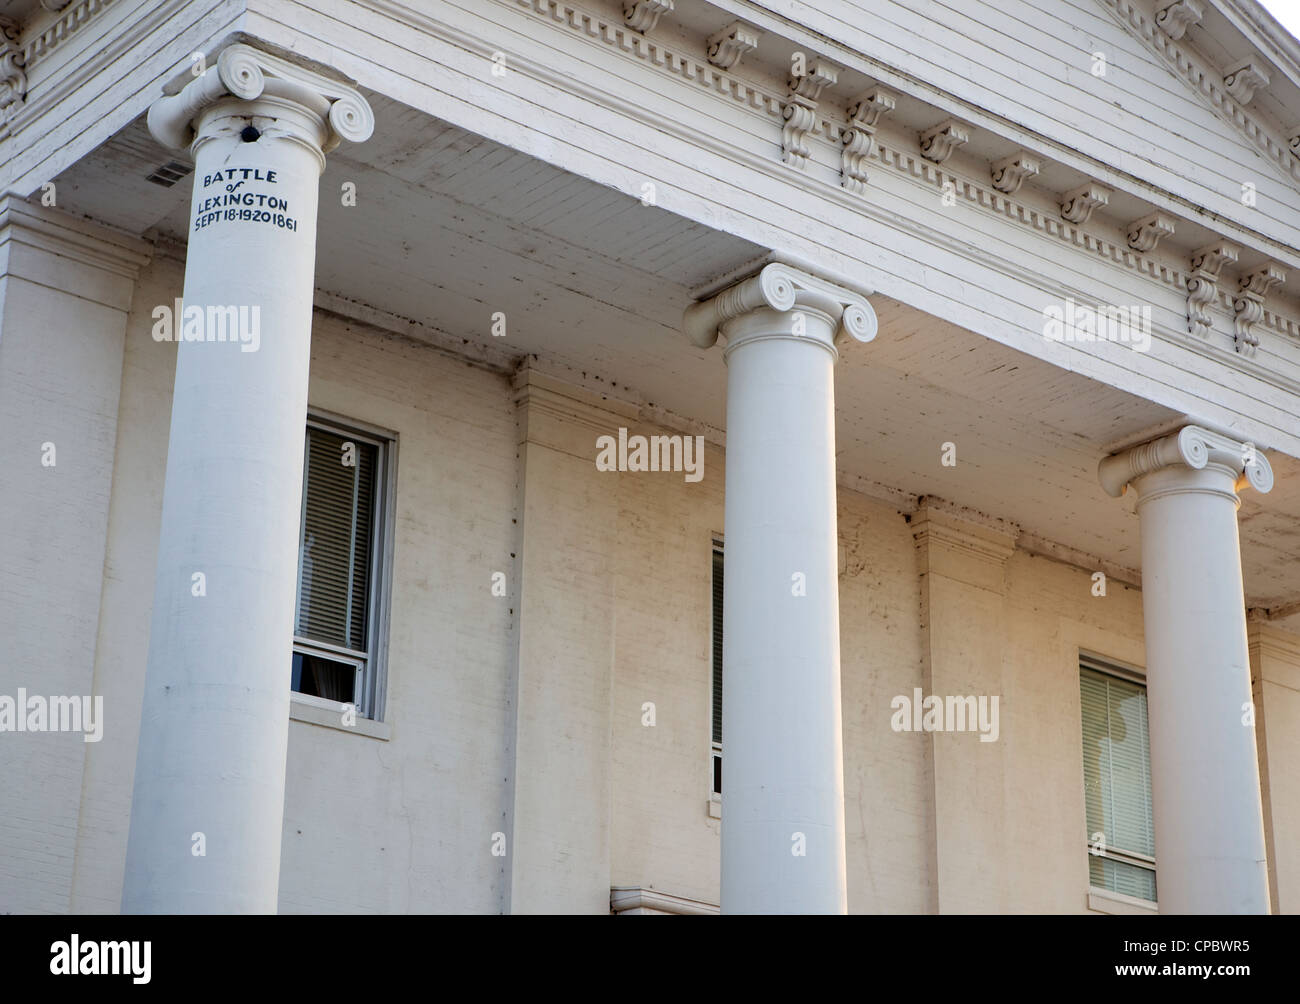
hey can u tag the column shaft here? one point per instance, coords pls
(1204, 772)
(208, 806)
(783, 774)
(1205, 796)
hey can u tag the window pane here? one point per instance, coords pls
(334, 550)
(1117, 778)
(1118, 876)
(321, 677)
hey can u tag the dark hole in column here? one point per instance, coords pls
(250, 134)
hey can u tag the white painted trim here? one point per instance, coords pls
(305, 709)
(1105, 901)
(639, 900)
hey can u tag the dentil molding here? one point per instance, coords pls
(73, 17)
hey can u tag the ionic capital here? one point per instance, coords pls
(781, 288)
(1191, 447)
(250, 74)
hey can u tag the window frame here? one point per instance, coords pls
(1129, 674)
(371, 689)
(715, 747)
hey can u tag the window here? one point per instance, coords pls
(340, 611)
(715, 757)
(1117, 780)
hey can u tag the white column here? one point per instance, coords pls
(782, 761)
(211, 762)
(1209, 829)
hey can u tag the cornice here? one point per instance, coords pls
(845, 135)
(1263, 31)
(1227, 98)
(38, 44)
(110, 53)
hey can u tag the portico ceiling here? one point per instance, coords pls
(449, 228)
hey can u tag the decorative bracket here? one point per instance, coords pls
(800, 110)
(859, 138)
(244, 72)
(1078, 203)
(1248, 304)
(1202, 284)
(1193, 447)
(1244, 79)
(643, 15)
(728, 45)
(938, 143)
(780, 287)
(1010, 173)
(1175, 19)
(1145, 234)
(13, 77)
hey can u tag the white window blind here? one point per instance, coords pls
(1117, 783)
(337, 539)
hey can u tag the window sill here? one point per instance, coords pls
(715, 808)
(332, 718)
(1105, 901)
